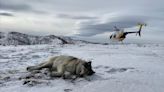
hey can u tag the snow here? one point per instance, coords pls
(118, 67)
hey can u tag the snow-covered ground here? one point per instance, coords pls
(118, 67)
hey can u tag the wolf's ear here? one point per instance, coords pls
(90, 62)
(85, 64)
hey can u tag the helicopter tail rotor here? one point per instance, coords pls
(140, 28)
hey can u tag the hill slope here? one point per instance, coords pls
(16, 38)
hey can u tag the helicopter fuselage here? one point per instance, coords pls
(118, 36)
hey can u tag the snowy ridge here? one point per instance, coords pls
(16, 38)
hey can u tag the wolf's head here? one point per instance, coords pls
(88, 66)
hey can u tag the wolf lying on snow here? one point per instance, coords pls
(65, 66)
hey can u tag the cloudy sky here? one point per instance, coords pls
(85, 19)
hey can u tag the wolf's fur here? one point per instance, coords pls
(64, 66)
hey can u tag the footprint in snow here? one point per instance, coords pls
(115, 70)
(101, 66)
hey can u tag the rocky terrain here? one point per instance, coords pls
(16, 38)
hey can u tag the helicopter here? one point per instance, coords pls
(120, 35)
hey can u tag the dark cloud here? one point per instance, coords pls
(14, 6)
(91, 29)
(75, 16)
(6, 14)
(19, 6)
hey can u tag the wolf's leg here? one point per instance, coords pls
(59, 72)
(40, 66)
(68, 75)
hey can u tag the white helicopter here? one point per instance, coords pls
(120, 35)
